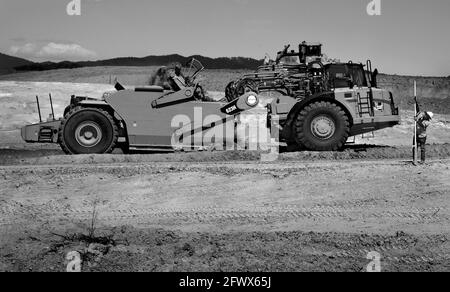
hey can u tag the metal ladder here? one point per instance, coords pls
(364, 106)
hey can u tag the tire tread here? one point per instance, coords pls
(302, 140)
(78, 109)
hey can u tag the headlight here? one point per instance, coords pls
(252, 100)
(106, 95)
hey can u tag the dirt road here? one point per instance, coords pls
(289, 215)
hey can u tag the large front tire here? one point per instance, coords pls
(88, 131)
(322, 126)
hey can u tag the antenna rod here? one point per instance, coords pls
(415, 148)
(39, 109)
(51, 105)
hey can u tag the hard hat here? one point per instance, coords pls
(430, 114)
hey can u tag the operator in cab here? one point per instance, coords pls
(177, 79)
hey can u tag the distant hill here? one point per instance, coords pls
(210, 63)
(46, 66)
(8, 63)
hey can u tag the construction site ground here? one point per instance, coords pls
(225, 211)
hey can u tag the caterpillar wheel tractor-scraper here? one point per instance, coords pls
(141, 119)
(320, 104)
(319, 107)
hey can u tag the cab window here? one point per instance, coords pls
(340, 75)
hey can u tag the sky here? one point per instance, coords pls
(409, 37)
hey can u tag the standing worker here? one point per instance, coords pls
(423, 120)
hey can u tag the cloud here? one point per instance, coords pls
(65, 51)
(53, 52)
(25, 50)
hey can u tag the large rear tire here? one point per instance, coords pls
(88, 131)
(322, 126)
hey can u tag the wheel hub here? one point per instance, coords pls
(88, 134)
(323, 127)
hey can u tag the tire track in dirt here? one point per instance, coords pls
(206, 214)
(227, 166)
(388, 255)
